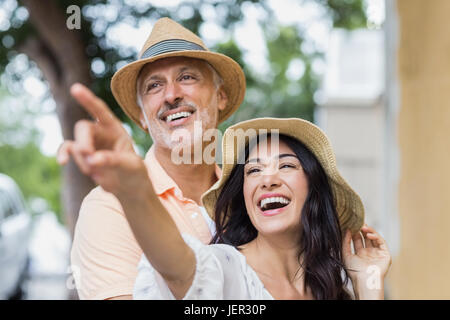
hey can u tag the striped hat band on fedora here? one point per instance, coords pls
(170, 46)
(170, 39)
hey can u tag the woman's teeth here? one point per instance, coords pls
(274, 200)
(178, 115)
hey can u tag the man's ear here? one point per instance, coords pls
(142, 120)
(222, 98)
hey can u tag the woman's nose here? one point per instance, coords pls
(270, 180)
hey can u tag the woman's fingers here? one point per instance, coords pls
(95, 106)
(117, 172)
(368, 238)
(357, 242)
(375, 238)
(70, 148)
(84, 136)
(64, 151)
(103, 158)
(366, 228)
(80, 148)
(91, 137)
(346, 246)
(80, 157)
(378, 240)
(367, 242)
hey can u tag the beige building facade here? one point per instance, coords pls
(392, 140)
(421, 270)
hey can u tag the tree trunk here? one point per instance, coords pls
(60, 55)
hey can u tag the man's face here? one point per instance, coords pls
(175, 92)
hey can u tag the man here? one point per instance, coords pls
(176, 83)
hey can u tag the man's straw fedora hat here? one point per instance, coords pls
(348, 204)
(170, 39)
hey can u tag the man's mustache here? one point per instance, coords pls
(169, 106)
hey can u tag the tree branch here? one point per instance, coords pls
(36, 50)
(66, 45)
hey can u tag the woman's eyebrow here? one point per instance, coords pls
(252, 160)
(284, 155)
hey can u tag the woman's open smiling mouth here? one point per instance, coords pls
(272, 204)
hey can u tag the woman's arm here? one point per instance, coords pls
(365, 289)
(368, 265)
(104, 151)
(160, 240)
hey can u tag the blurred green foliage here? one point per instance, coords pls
(36, 174)
(271, 94)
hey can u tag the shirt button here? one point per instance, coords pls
(194, 215)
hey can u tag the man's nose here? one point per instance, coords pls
(172, 93)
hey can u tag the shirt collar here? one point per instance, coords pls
(161, 181)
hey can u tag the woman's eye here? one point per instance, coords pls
(287, 165)
(252, 170)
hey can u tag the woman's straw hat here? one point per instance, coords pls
(170, 39)
(348, 204)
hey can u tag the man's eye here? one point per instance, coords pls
(152, 86)
(186, 77)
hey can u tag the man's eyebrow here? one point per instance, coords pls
(144, 82)
(283, 155)
(158, 76)
(188, 68)
(153, 77)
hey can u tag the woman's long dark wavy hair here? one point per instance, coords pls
(321, 238)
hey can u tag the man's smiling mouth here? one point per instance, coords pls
(178, 115)
(175, 115)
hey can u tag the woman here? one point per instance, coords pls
(285, 244)
(279, 216)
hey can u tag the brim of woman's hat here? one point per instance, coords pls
(123, 83)
(349, 206)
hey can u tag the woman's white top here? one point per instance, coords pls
(221, 272)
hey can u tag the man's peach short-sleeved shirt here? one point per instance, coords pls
(105, 254)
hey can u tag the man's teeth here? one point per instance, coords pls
(266, 201)
(178, 115)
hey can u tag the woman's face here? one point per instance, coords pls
(275, 189)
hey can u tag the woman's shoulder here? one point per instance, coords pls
(230, 258)
(223, 252)
(228, 254)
